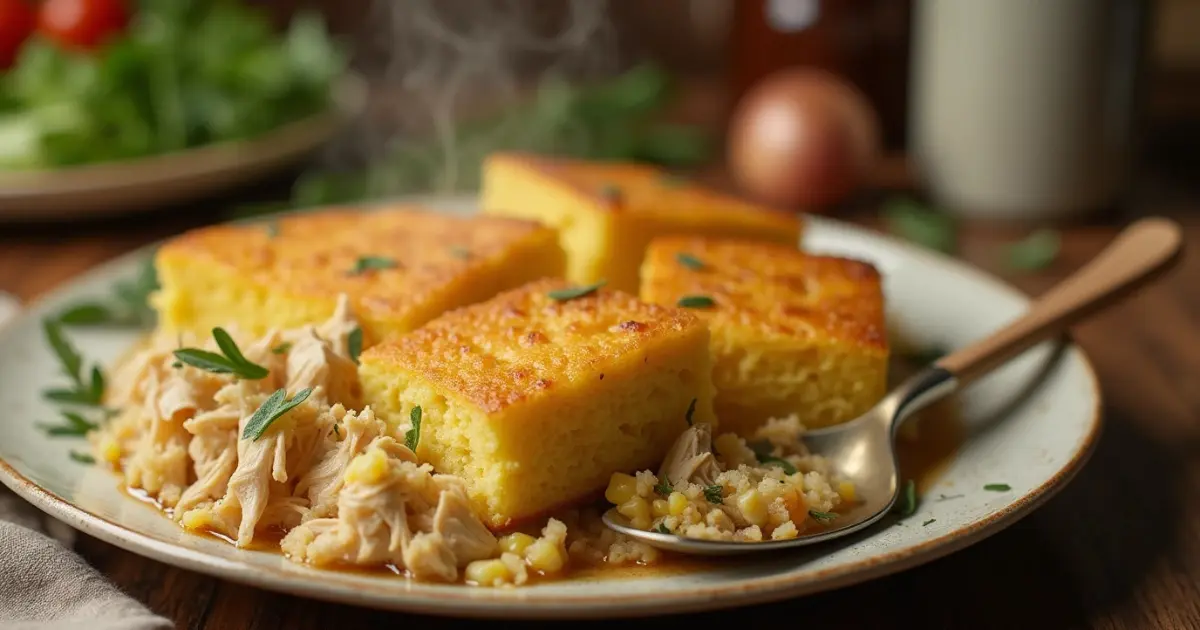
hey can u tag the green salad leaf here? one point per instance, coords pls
(186, 73)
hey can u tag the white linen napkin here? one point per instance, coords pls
(44, 585)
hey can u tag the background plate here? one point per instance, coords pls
(1031, 425)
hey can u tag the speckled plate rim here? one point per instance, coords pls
(512, 603)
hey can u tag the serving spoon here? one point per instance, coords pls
(863, 450)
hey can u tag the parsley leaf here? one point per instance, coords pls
(231, 361)
(412, 437)
(271, 410)
(822, 517)
(663, 487)
(354, 343)
(906, 504)
(997, 487)
(1036, 251)
(366, 263)
(75, 426)
(690, 412)
(82, 458)
(563, 295)
(662, 528)
(689, 261)
(713, 493)
(695, 301)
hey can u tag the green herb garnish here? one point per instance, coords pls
(663, 487)
(928, 522)
(1036, 251)
(282, 348)
(906, 503)
(354, 343)
(82, 458)
(460, 252)
(662, 528)
(177, 365)
(713, 493)
(127, 306)
(771, 460)
(336, 430)
(689, 261)
(412, 437)
(822, 517)
(691, 410)
(997, 487)
(271, 410)
(913, 222)
(367, 263)
(563, 295)
(695, 301)
(231, 361)
(85, 391)
(75, 426)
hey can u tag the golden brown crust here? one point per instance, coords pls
(523, 344)
(314, 254)
(781, 290)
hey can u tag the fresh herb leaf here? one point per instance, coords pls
(75, 426)
(689, 261)
(412, 437)
(563, 295)
(282, 348)
(610, 193)
(458, 251)
(906, 503)
(695, 301)
(82, 458)
(822, 517)
(691, 410)
(913, 222)
(713, 493)
(86, 314)
(366, 263)
(71, 396)
(68, 357)
(1036, 251)
(177, 365)
(354, 343)
(662, 528)
(96, 394)
(997, 487)
(928, 522)
(271, 410)
(231, 361)
(663, 487)
(771, 460)
(336, 430)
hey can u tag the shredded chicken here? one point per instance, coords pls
(690, 459)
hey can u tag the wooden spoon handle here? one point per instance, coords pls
(1139, 254)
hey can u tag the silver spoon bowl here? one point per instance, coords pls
(862, 451)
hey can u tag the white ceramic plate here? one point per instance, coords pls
(112, 188)
(1031, 425)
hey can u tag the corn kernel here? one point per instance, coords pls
(110, 451)
(660, 507)
(516, 543)
(677, 503)
(637, 510)
(196, 520)
(368, 468)
(488, 573)
(545, 556)
(846, 490)
(753, 507)
(621, 488)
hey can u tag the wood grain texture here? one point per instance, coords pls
(1119, 548)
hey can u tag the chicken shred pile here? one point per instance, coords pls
(338, 482)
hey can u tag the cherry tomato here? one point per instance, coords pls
(17, 21)
(82, 24)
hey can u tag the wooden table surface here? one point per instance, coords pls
(1118, 548)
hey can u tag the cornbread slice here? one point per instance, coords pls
(791, 333)
(607, 212)
(289, 273)
(536, 402)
